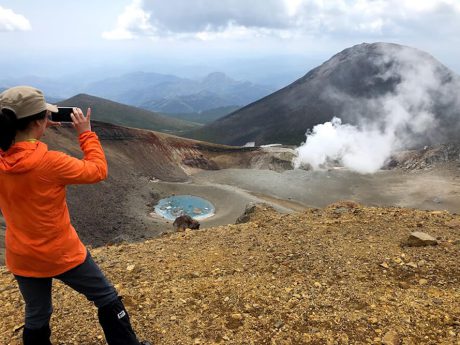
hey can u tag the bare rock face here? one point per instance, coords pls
(420, 239)
(426, 158)
(273, 158)
(200, 162)
(185, 222)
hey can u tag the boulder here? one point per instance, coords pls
(246, 216)
(420, 239)
(391, 338)
(185, 222)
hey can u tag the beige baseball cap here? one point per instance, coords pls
(25, 101)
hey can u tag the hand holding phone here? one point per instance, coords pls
(75, 116)
(63, 114)
(81, 122)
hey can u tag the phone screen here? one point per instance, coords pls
(63, 114)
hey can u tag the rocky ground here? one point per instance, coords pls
(426, 158)
(338, 275)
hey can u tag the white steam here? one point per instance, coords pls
(386, 124)
(363, 151)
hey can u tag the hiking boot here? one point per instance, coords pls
(115, 323)
(39, 336)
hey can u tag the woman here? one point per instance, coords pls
(41, 244)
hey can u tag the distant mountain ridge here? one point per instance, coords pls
(124, 115)
(165, 93)
(171, 94)
(342, 86)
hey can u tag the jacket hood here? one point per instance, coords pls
(22, 157)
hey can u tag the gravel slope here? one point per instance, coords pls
(337, 275)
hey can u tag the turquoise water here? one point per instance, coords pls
(177, 205)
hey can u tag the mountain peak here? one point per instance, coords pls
(355, 85)
(383, 49)
(217, 77)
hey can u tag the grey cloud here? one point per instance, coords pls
(179, 16)
(338, 19)
(442, 19)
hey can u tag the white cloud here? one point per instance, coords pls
(211, 19)
(132, 23)
(10, 21)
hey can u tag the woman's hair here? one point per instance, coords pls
(10, 125)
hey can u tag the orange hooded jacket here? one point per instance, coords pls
(40, 241)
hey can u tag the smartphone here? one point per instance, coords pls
(63, 114)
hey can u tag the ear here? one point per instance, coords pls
(39, 122)
(36, 124)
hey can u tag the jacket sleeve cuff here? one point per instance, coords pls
(85, 134)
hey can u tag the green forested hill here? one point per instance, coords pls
(125, 115)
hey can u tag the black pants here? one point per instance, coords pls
(87, 278)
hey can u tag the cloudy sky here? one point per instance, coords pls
(55, 37)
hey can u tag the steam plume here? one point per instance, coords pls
(401, 118)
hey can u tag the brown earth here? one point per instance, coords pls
(337, 275)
